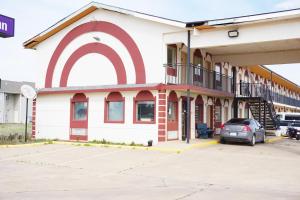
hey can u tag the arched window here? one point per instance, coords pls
(114, 108)
(144, 108)
(172, 107)
(198, 59)
(79, 117)
(198, 69)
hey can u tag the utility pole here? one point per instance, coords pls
(188, 126)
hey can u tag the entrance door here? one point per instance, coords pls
(210, 116)
(172, 124)
(184, 119)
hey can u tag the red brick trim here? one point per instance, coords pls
(162, 115)
(33, 131)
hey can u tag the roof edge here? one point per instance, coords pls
(87, 9)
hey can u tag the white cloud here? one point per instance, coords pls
(288, 4)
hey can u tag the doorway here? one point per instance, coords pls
(172, 123)
(184, 119)
(209, 115)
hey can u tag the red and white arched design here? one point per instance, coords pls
(79, 117)
(172, 116)
(99, 48)
(112, 98)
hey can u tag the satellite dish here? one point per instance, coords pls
(28, 91)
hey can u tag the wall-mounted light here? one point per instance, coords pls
(96, 38)
(233, 33)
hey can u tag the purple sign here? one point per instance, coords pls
(7, 26)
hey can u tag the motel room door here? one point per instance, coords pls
(172, 123)
(184, 118)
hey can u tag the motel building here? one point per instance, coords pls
(124, 76)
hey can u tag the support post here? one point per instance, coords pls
(188, 91)
(265, 115)
(259, 111)
(25, 137)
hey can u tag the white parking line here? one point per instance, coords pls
(93, 156)
(37, 154)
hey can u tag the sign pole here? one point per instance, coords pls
(26, 120)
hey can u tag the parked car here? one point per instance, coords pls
(293, 132)
(285, 120)
(242, 130)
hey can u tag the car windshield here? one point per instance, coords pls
(239, 121)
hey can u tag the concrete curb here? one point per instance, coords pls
(22, 145)
(272, 140)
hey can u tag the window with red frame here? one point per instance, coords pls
(114, 108)
(144, 107)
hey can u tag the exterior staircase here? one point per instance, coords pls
(260, 102)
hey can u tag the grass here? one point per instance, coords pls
(115, 143)
(8, 129)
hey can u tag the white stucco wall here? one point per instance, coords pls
(53, 119)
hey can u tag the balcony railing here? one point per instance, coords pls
(265, 91)
(199, 76)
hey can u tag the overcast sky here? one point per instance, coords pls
(33, 16)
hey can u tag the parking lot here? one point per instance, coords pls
(231, 171)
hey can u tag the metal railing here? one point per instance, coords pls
(265, 91)
(199, 76)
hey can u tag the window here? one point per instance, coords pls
(218, 111)
(114, 108)
(172, 111)
(80, 111)
(198, 59)
(218, 72)
(145, 111)
(115, 111)
(144, 108)
(172, 54)
(225, 114)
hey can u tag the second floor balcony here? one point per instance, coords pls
(177, 74)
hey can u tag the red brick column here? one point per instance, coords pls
(33, 118)
(162, 108)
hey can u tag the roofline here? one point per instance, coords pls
(89, 8)
(266, 68)
(246, 18)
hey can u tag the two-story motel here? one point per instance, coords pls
(124, 76)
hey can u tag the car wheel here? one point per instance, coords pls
(264, 138)
(222, 141)
(298, 137)
(252, 142)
